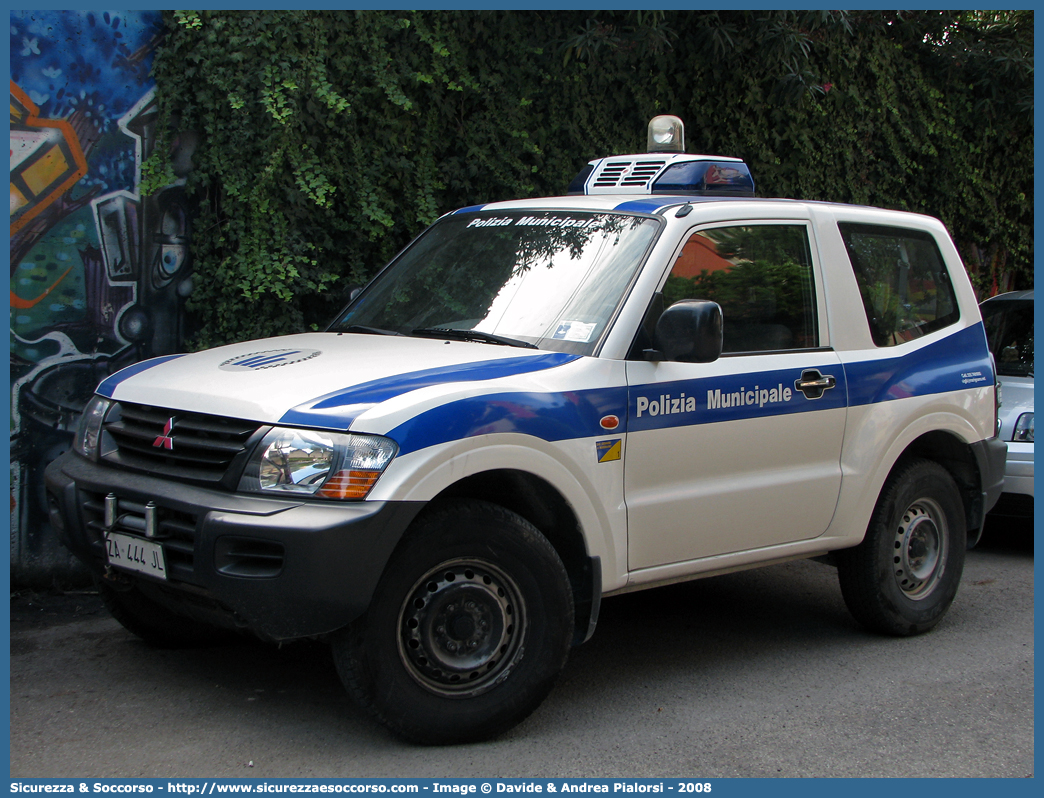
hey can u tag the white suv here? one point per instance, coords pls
(542, 402)
(1009, 330)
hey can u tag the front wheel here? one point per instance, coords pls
(904, 575)
(467, 630)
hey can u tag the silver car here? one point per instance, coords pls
(1009, 328)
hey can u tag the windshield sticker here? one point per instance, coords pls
(533, 221)
(268, 359)
(579, 331)
(492, 222)
(554, 221)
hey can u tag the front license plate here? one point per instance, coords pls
(135, 554)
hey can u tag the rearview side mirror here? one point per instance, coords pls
(690, 331)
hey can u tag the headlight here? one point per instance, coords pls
(1023, 429)
(330, 465)
(89, 430)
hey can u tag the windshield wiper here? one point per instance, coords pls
(471, 335)
(362, 328)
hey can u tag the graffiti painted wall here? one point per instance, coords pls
(99, 274)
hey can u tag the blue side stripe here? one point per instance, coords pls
(956, 362)
(548, 416)
(576, 414)
(108, 385)
(735, 397)
(340, 408)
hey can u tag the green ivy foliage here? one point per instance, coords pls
(330, 139)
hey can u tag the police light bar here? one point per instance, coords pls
(666, 169)
(663, 173)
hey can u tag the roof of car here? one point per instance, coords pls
(1011, 295)
(630, 203)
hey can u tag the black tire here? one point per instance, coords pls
(467, 631)
(154, 623)
(904, 575)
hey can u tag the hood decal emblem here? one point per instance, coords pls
(268, 359)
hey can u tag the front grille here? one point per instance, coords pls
(175, 530)
(177, 444)
(627, 174)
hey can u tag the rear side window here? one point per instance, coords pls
(903, 282)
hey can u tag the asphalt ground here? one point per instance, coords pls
(756, 674)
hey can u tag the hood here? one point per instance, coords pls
(314, 379)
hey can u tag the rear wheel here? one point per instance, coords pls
(467, 631)
(904, 575)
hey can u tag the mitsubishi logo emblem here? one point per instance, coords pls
(166, 440)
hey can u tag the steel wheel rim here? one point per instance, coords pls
(461, 628)
(920, 549)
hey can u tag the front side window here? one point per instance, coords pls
(552, 279)
(903, 282)
(761, 276)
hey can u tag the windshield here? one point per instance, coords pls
(553, 279)
(1009, 329)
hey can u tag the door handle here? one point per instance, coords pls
(813, 384)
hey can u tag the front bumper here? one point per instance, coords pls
(281, 568)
